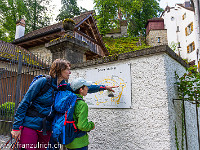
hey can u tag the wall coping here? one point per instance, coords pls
(139, 53)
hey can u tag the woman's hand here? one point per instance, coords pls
(110, 88)
(16, 134)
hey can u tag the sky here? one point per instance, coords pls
(88, 4)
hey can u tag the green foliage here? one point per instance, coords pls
(33, 11)
(138, 18)
(123, 44)
(173, 45)
(69, 9)
(7, 109)
(189, 85)
(136, 12)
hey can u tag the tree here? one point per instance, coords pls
(138, 18)
(136, 12)
(69, 9)
(33, 11)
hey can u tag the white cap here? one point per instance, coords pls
(79, 82)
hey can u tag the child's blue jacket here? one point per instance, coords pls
(42, 103)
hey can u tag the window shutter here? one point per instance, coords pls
(193, 45)
(192, 26)
(186, 31)
(188, 49)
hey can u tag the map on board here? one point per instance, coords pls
(118, 75)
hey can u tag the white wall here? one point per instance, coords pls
(197, 22)
(150, 123)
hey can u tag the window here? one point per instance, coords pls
(177, 30)
(179, 45)
(184, 16)
(189, 29)
(190, 47)
(159, 40)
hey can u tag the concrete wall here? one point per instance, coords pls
(150, 123)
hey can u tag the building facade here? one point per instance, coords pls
(181, 30)
(155, 33)
(196, 6)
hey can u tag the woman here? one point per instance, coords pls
(30, 123)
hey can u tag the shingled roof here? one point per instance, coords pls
(188, 8)
(10, 52)
(46, 34)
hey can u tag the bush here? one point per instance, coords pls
(7, 109)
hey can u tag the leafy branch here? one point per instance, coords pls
(189, 85)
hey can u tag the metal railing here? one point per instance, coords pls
(15, 78)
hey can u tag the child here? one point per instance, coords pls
(80, 88)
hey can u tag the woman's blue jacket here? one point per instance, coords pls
(42, 103)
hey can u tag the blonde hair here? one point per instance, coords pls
(58, 66)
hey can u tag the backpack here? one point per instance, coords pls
(46, 86)
(63, 126)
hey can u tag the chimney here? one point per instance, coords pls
(187, 3)
(123, 26)
(20, 28)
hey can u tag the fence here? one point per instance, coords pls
(15, 78)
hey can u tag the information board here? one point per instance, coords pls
(116, 75)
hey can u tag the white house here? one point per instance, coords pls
(181, 30)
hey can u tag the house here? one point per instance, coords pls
(155, 33)
(179, 21)
(85, 30)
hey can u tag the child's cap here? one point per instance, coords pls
(79, 82)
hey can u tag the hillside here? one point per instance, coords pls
(123, 44)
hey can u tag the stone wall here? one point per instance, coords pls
(150, 123)
(41, 50)
(152, 37)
